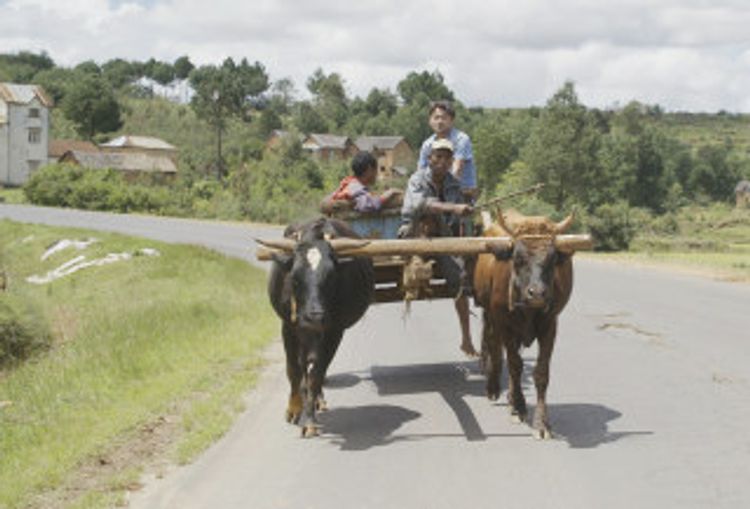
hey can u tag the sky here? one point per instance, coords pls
(684, 55)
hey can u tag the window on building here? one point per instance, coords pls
(34, 113)
(35, 135)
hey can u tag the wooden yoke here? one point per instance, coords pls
(453, 246)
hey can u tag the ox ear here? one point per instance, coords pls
(502, 253)
(285, 260)
(562, 257)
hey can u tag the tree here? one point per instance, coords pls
(88, 67)
(411, 121)
(381, 101)
(22, 66)
(329, 97)
(162, 73)
(55, 81)
(494, 150)
(120, 72)
(226, 91)
(90, 103)
(182, 67)
(430, 84)
(562, 151)
(308, 120)
(282, 96)
(269, 121)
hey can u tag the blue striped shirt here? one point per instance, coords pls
(461, 150)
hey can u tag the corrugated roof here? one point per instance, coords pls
(23, 94)
(329, 140)
(124, 161)
(369, 143)
(146, 142)
(58, 147)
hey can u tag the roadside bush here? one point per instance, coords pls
(612, 227)
(23, 331)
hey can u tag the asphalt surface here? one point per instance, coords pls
(649, 401)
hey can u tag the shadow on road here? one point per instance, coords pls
(361, 428)
(358, 428)
(585, 425)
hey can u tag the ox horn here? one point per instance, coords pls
(342, 245)
(563, 225)
(280, 244)
(502, 223)
(570, 243)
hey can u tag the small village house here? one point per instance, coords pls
(58, 148)
(143, 144)
(277, 137)
(329, 147)
(24, 131)
(393, 153)
(132, 164)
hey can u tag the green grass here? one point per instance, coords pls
(134, 340)
(711, 240)
(12, 196)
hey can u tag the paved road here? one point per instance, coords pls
(649, 399)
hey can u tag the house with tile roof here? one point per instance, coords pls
(24, 131)
(131, 164)
(129, 143)
(394, 154)
(58, 148)
(329, 147)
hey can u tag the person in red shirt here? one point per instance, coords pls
(355, 188)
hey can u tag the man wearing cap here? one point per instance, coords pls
(441, 119)
(434, 195)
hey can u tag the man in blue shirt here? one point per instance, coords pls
(442, 116)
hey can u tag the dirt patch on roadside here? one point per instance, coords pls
(148, 448)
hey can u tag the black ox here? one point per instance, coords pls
(317, 295)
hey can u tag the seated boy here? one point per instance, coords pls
(355, 191)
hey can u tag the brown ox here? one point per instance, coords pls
(522, 290)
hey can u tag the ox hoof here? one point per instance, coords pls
(543, 434)
(493, 395)
(517, 418)
(292, 417)
(321, 405)
(310, 430)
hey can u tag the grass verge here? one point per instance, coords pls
(12, 196)
(150, 346)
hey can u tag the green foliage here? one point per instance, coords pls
(562, 150)
(66, 185)
(308, 120)
(430, 84)
(182, 67)
(22, 66)
(497, 141)
(224, 92)
(90, 103)
(329, 98)
(23, 329)
(176, 344)
(612, 226)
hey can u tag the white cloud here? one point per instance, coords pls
(682, 54)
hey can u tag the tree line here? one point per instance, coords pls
(587, 157)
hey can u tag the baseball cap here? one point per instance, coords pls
(442, 144)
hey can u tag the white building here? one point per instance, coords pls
(24, 131)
